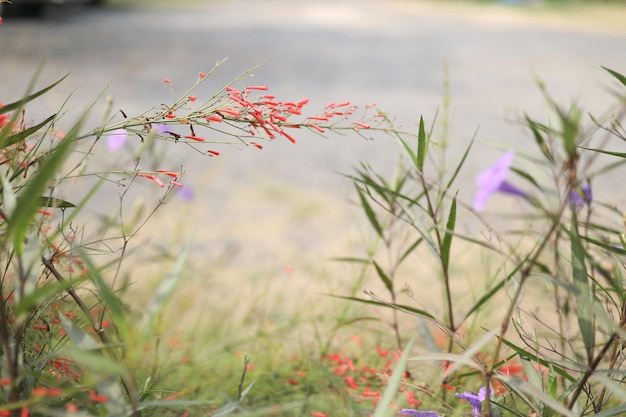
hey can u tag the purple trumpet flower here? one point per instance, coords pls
(418, 413)
(494, 180)
(577, 200)
(117, 139)
(475, 400)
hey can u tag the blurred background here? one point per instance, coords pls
(279, 214)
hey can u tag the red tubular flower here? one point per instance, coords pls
(201, 75)
(196, 138)
(362, 125)
(213, 153)
(214, 118)
(97, 398)
(192, 98)
(288, 136)
(316, 127)
(351, 382)
(313, 413)
(256, 145)
(153, 178)
(232, 112)
(257, 87)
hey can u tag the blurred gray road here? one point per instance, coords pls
(389, 52)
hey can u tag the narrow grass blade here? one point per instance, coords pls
(29, 196)
(383, 276)
(519, 384)
(166, 287)
(538, 129)
(20, 103)
(26, 132)
(447, 239)
(615, 74)
(583, 291)
(394, 382)
(421, 146)
(400, 307)
(371, 216)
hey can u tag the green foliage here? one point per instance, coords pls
(564, 360)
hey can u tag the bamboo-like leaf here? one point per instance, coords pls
(614, 387)
(20, 103)
(25, 133)
(537, 129)
(412, 155)
(459, 166)
(422, 146)
(447, 238)
(519, 384)
(110, 300)
(583, 291)
(53, 202)
(8, 197)
(466, 357)
(410, 249)
(394, 383)
(620, 409)
(371, 215)
(615, 74)
(534, 378)
(526, 176)
(553, 383)
(621, 155)
(166, 287)
(383, 276)
(524, 353)
(30, 194)
(401, 307)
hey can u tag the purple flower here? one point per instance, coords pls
(117, 139)
(159, 128)
(494, 180)
(475, 400)
(186, 193)
(577, 200)
(418, 413)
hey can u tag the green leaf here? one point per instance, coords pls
(394, 382)
(407, 148)
(569, 134)
(459, 166)
(524, 353)
(410, 249)
(383, 276)
(53, 202)
(29, 196)
(371, 216)
(534, 378)
(20, 103)
(537, 129)
(25, 133)
(109, 299)
(583, 292)
(615, 74)
(525, 175)
(447, 239)
(166, 287)
(399, 307)
(621, 155)
(552, 382)
(421, 146)
(519, 385)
